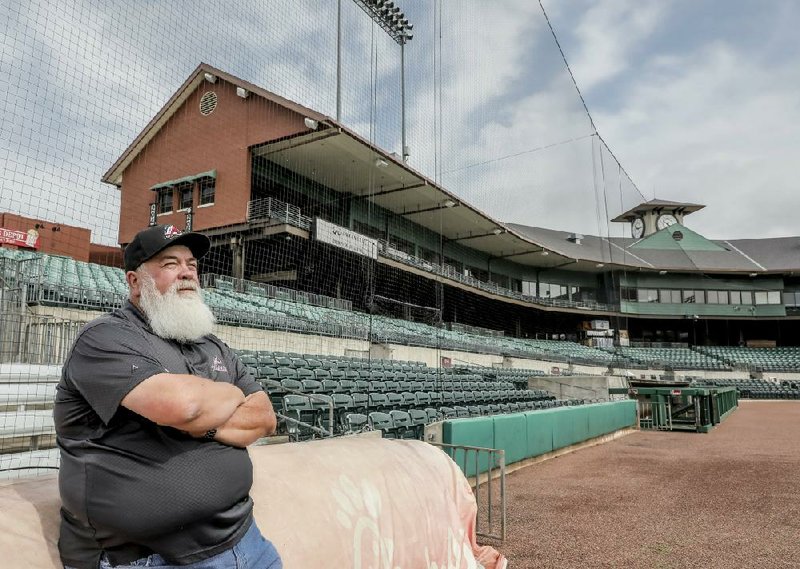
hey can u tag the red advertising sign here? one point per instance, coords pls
(20, 238)
(676, 392)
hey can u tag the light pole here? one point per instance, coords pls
(394, 22)
(338, 60)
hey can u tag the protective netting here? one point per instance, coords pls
(354, 187)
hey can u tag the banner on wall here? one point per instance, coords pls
(344, 238)
(29, 239)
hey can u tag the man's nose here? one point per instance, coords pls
(187, 272)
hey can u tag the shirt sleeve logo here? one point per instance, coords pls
(217, 365)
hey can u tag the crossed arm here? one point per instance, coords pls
(196, 405)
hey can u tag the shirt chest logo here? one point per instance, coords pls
(217, 365)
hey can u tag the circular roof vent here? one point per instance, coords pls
(208, 102)
(677, 236)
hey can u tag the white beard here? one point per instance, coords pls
(182, 317)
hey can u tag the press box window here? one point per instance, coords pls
(647, 295)
(670, 296)
(165, 200)
(207, 189)
(185, 196)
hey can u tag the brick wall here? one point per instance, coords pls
(190, 143)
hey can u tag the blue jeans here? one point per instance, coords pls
(252, 552)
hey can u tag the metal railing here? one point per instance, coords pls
(448, 271)
(227, 283)
(271, 208)
(495, 468)
(36, 339)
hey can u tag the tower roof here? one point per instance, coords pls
(658, 206)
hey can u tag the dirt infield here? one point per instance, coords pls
(726, 499)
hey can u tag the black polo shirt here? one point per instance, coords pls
(130, 487)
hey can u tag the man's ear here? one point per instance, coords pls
(134, 284)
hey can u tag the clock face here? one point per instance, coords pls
(665, 221)
(637, 228)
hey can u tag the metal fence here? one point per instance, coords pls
(485, 468)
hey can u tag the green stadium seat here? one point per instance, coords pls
(356, 423)
(379, 421)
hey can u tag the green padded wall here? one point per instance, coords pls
(525, 435)
(625, 414)
(511, 435)
(540, 432)
(602, 420)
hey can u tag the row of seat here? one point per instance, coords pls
(675, 358)
(369, 375)
(324, 381)
(378, 400)
(764, 359)
(759, 388)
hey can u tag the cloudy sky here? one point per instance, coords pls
(698, 100)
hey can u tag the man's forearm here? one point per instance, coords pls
(186, 402)
(252, 420)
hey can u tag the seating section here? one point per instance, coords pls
(674, 358)
(783, 359)
(760, 388)
(349, 395)
(62, 281)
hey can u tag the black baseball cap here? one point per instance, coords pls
(151, 241)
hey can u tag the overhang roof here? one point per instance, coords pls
(658, 206)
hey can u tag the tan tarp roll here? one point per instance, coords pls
(347, 502)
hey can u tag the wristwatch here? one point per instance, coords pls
(210, 434)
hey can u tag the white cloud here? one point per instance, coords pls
(712, 122)
(716, 127)
(608, 33)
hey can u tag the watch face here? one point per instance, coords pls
(665, 221)
(637, 228)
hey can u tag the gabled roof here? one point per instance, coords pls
(197, 78)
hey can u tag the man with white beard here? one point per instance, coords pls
(153, 414)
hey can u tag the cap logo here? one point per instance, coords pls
(170, 231)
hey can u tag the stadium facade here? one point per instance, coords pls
(293, 198)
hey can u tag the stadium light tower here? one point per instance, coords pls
(394, 22)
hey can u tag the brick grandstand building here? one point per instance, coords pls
(292, 197)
